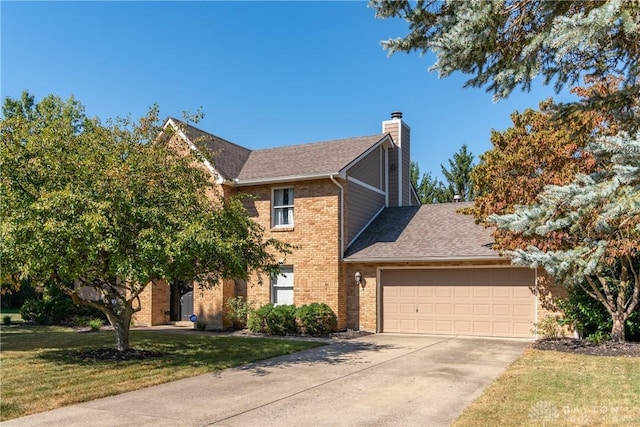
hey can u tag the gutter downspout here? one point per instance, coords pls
(332, 178)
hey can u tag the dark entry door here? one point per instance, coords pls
(178, 290)
(186, 305)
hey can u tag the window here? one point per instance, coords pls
(282, 207)
(282, 286)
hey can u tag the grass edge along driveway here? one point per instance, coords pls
(40, 372)
(550, 388)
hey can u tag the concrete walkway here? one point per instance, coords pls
(377, 380)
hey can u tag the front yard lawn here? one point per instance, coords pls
(549, 388)
(40, 372)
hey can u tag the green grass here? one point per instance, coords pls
(13, 313)
(560, 389)
(39, 372)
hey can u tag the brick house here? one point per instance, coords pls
(364, 244)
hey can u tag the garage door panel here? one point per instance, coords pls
(481, 309)
(425, 309)
(482, 292)
(485, 302)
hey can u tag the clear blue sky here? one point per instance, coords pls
(266, 74)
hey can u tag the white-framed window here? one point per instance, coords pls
(282, 286)
(282, 203)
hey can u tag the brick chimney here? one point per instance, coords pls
(399, 160)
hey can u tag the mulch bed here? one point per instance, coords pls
(111, 354)
(581, 346)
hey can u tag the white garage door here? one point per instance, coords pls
(477, 301)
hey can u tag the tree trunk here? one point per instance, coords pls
(121, 325)
(617, 331)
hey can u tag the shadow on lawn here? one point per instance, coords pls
(215, 352)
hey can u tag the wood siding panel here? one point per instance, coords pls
(369, 169)
(362, 206)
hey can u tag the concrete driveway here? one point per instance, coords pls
(378, 380)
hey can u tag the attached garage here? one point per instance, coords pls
(495, 302)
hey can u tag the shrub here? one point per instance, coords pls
(201, 325)
(6, 320)
(56, 308)
(95, 324)
(257, 319)
(590, 317)
(237, 312)
(282, 320)
(316, 319)
(598, 337)
(273, 320)
(549, 327)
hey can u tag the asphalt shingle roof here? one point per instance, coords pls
(226, 157)
(427, 232)
(233, 161)
(319, 158)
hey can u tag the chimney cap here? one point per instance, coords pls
(396, 115)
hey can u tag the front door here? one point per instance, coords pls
(178, 290)
(186, 306)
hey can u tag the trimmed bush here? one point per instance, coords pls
(257, 319)
(282, 320)
(316, 319)
(273, 320)
(238, 311)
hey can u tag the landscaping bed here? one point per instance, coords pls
(582, 346)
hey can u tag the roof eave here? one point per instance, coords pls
(427, 259)
(280, 179)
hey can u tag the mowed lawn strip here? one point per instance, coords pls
(560, 389)
(39, 371)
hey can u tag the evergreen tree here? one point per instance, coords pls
(458, 176)
(596, 222)
(589, 227)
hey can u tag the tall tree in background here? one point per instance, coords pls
(430, 190)
(458, 180)
(112, 208)
(505, 45)
(458, 176)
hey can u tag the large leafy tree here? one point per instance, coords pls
(505, 45)
(596, 222)
(103, 210)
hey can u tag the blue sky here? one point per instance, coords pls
(266, 74)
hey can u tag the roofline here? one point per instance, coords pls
(277, 180)
(381, 141)
(424, 259)
(170, 121)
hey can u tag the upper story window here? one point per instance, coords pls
(282, 212)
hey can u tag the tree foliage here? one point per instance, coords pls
(592, 220)
(506, 44)
(458, 176)
(111, 208)
(458, 180)
(596, 221)
(539, 149)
